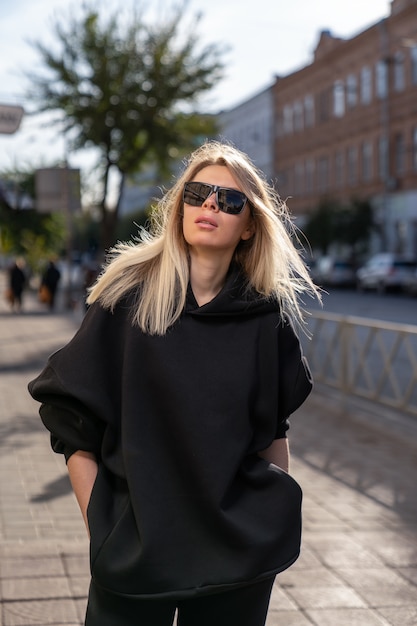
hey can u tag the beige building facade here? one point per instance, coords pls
(346, 127)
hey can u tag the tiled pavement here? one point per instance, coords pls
(359, 559)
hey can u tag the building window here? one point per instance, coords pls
(399, 72)
(366, 161)
(400, 236)
(383, 158)
(324, 105)
(283, 182)
(338, 99)
(351, 91)
(299, 178)
(309, 111)
(288, 121)
(309, 172)
(414, 65)
(339, 169)
(352, 166)
(323, 174)
(366, 85)
(298, 116)
(381, 79)
(399, 154)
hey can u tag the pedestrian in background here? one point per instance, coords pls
(171, 405)
(16, 284)
(49, 284)
(90, 274)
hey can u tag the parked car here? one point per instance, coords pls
(410, 285)
(334, 272)
(386, 271)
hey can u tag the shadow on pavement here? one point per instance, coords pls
(54, 489)
(373, 463)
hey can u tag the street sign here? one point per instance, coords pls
(10, 118)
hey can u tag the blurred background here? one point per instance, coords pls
(101, 102)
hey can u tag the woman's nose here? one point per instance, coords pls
(211, 202)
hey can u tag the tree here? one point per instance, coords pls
(128, 89)
(355, 224)
(321, 228)
(129, 225)
(346, 224)
(24, 231)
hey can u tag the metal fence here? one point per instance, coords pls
(365, 358)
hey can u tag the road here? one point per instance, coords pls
(391, 307)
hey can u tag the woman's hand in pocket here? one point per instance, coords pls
(82, 468)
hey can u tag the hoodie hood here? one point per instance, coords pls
(235, 298)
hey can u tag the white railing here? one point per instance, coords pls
(365, 358)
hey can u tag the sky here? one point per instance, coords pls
(265, 38)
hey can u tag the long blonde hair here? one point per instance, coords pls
(156, 264)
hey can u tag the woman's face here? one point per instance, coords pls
(208, 229)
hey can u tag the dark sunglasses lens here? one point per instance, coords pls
(231, 201)
(196, 193)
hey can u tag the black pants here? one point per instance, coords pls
(245, 606)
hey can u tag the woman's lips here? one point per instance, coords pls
(207, 221)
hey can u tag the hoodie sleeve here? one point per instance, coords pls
(78, 389)
(295, 381)
(72, 424)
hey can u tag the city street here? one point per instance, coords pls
(389, 307)
(358, 565)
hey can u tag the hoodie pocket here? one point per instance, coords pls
(109, 504)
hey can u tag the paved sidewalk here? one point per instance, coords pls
(359, 559)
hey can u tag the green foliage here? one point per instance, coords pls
(25, 232)
(86, 233)
(129, 225)
(35, 236)
(321, 228)
(333, 223)
(128, 88)
(356, 224)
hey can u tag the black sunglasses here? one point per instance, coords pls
(228, 200)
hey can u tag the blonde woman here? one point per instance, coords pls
(171, 405)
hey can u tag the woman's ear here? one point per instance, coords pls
(249, 231)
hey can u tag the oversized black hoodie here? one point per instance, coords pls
(182, 503)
